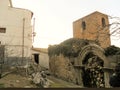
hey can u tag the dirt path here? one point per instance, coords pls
(17, 81)
(58, 83)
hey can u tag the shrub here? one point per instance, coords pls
(112, 50)
(69, 48)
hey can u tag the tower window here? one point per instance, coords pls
(83, 25)
(103, 22)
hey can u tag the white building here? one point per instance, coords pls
(15, 31)
(40, 56)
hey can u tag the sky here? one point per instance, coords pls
(54, 18)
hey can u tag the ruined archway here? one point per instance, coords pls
(96, 54)
(92, 73)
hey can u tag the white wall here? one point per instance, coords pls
(12, 19)
(43, 58)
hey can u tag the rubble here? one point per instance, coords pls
(40, 79)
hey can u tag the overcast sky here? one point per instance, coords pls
(54, 18)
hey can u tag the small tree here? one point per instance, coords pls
(115, 78)
(113, 26)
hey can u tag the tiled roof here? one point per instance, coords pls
(45, 50)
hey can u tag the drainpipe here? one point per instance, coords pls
(23, 40)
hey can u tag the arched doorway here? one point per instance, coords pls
(93, 75)
(93, 62)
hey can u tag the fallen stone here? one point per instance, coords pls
(17, 81)
(40, 79)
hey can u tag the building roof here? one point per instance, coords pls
(96, 12)
(44, 50)
(20, 8)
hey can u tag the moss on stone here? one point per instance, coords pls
(69, 48)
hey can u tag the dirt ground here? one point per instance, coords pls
(18, 79)
(13, 80)
(59, 83)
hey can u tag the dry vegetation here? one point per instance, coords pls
(69, 48)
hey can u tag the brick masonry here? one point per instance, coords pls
(93, 27)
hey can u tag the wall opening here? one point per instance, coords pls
(93, 75)
(103, 22)
(2, 30)
(36, 58)
(83, 25)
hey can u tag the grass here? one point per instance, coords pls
(55, 85)
(2, 85)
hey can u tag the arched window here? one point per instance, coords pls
(103, 22)
(83, 25)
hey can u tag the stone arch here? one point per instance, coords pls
(95, 49)
(98, 51)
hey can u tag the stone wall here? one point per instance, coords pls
(114, 60)
(93, 28)
(61, 67)
(71, 68)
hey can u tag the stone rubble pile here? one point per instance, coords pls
(40, 79)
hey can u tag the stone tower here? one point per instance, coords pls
(94, 26)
